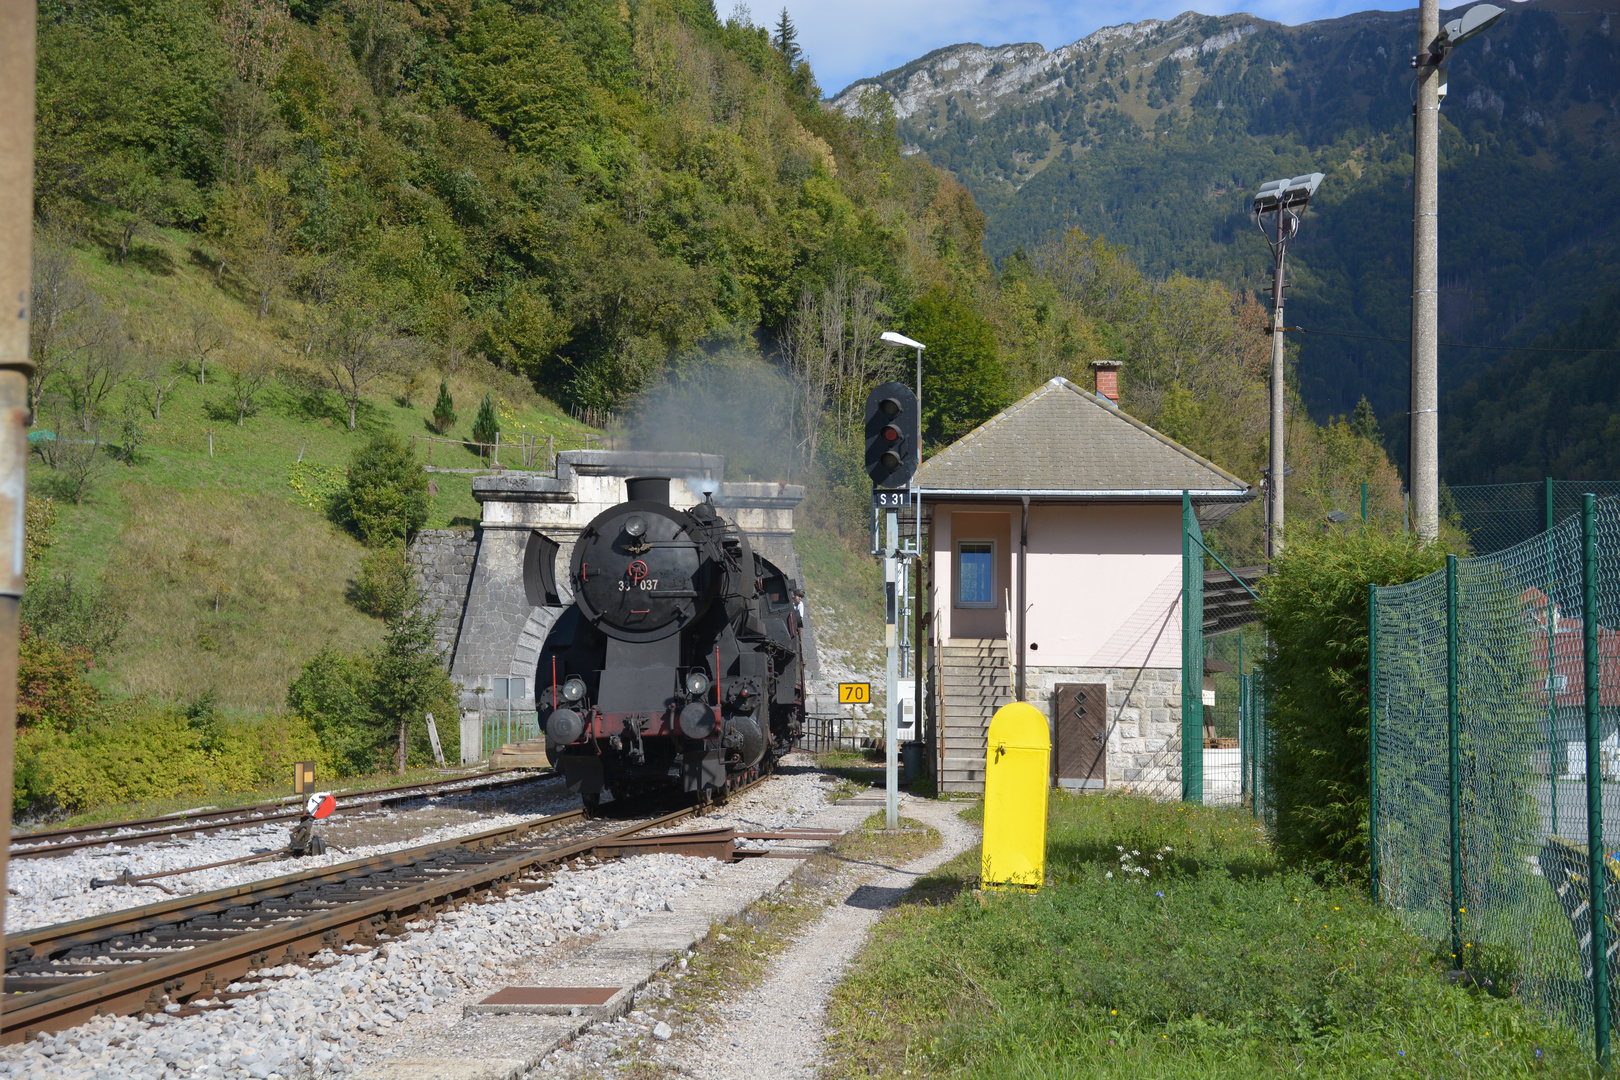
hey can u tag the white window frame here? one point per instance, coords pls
(994, 573)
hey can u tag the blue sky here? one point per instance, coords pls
(852, 39)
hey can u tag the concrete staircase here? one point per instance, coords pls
(974, 682)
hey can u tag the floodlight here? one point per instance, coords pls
(891, 338)
(1269, 195)
(1476, 20)
(1300, 189)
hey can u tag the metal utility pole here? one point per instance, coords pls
(1286, 201)
(1423, 431)
(891, 644)
(16, 236)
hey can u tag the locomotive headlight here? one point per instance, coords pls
(697, 683)
(574, 688)
(636, 526)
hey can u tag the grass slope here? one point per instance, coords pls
(231, 575)
(1217, 962)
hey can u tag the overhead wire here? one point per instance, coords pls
(1444, 344)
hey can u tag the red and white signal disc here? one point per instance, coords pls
(320, 805)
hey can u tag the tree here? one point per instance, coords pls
(65, 317)
(249, 376)
(409, 678)
(966, 382)
(386, 583)
(158, 371)
(786, 41)
(1364, 422)
(444, 410)
(208, 336)
(387, 496)
(486, 427)
(358, 345)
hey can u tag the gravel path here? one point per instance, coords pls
(777, 1031)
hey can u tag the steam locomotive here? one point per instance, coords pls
(677, 667)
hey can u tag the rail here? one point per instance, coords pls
(186, 951)
(50, 843)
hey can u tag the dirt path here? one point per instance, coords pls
(777, 1031)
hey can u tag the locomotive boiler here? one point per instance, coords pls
(677, 666)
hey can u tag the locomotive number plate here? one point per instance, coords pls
(854, 693)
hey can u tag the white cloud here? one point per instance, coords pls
(847, 40)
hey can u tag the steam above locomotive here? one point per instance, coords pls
(677, 667)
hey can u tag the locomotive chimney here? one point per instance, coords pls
(648, 489)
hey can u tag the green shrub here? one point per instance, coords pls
(73, 613)
(51, 687)
(1314, 607)
(144, 751)
(387, 493)
(333, 694)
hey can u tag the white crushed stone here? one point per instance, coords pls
(57, 890)
(303, 1022)
(774, 1030)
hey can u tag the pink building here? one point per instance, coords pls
(1055, 574)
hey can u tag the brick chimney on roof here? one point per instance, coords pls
(1108, 379)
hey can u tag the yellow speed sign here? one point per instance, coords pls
(854, 693)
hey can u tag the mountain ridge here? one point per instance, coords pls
(1154, 133)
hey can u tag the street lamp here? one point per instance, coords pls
(1285, 201)
(1423, 422)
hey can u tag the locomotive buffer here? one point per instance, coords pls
(893, 441)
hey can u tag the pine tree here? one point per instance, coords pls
(444, 410)
(485, 425)
(1364, 422)
(787, 41)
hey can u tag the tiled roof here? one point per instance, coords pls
(1061, 440)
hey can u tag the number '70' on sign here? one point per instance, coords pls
(854, 693)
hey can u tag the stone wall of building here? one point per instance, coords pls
(442, 562)
(1144, 722)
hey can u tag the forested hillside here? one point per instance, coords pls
(1156, 134)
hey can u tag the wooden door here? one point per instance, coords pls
(1081, 758)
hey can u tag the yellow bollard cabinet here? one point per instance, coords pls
(1017, 768)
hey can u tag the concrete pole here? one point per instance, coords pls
(16, 236)
(1276, 485)
(1424, 425)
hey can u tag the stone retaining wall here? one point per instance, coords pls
(442, 561)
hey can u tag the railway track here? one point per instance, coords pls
(189, 949)
(51, 843)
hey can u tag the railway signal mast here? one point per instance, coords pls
(893, 447)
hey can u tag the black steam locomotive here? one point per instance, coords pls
(677, 667)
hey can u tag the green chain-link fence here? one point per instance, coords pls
(1496, 683)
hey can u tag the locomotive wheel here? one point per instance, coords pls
(593, 804)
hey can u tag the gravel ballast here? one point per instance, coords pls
(57, 890)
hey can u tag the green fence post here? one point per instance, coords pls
(1551, 521)
(1453, 759)
(1552, 712)
(1372, 732)
(1594, 781)
(1364, 502)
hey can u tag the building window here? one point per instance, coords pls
(976, 573)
